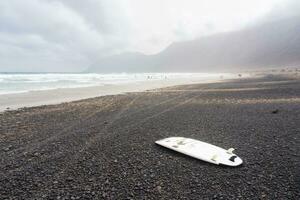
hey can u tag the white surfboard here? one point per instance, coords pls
(201, 150)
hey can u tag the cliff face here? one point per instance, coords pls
(273, 44)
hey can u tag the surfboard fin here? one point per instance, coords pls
(230, 151)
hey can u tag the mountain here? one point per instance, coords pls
(272, 44)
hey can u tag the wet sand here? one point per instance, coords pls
(103, 148)
(55, 96)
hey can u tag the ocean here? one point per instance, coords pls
(11, 83)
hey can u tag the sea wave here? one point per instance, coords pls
(16, 83)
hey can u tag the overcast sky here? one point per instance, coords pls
(69, 35)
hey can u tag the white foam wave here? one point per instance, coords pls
(16, 83)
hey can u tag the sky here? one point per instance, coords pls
(70, 35)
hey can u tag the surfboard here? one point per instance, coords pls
(201, 150)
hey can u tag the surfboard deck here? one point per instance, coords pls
(201, 150)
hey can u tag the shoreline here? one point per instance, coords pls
(16, 101)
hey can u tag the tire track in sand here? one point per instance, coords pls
(92, 140)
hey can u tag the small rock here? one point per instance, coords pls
(104, 194)
(158, 188)
(275, 111)
(6, 149)
(36, 154)
(152, 175)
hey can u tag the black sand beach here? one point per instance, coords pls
(103, 148)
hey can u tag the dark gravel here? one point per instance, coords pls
(103, 148)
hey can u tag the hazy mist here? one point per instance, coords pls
(57, 35)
